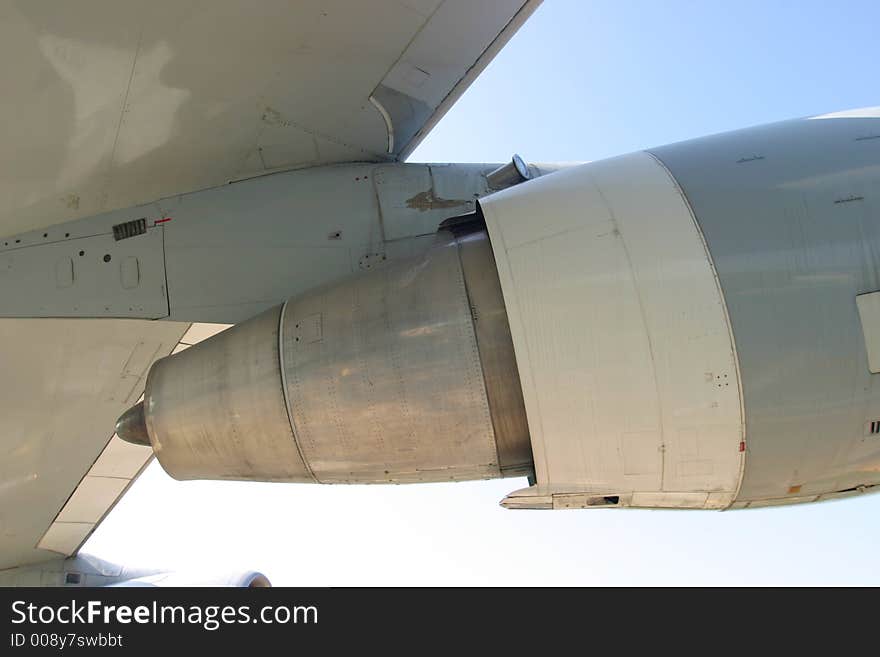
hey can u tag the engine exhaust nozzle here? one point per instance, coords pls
(132, 426)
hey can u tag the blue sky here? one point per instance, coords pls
(587, 79)
(582, 80)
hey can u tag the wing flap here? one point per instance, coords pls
(64, 384)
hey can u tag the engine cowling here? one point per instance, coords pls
(628, 364)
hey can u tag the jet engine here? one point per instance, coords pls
(404, 373)
(692, 327)
(239, 580)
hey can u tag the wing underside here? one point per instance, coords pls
(117, 103)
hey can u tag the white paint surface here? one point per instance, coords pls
(626, 358)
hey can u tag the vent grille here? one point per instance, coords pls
(129, 229)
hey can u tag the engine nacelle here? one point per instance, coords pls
(619, 330)
(239, 580)
(622, 339)
(404, 373)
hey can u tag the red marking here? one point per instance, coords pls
(742, 446)
(161, 221)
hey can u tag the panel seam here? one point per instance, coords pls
(284, 393)
(476, 343)
(735, 353)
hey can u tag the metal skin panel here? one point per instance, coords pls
(390, 389)
(216, 410)
(791, 215)
(627, 361)
(93, 276)
(91, 499)
(414, 199)
(235, 250)
(230, 252)
(120, 459)
(65, 537)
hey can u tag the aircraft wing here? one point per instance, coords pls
(63, 382)
(119, 103)
(115, 103)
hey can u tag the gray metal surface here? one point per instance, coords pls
(497, 357)
(132, 426)
(227, 253)
(507, 175)
(791, 214)
(71, 273)
(384, 378)
(216, 410)
(381, 377)
(236, 250)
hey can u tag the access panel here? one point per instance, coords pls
(94, 276)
